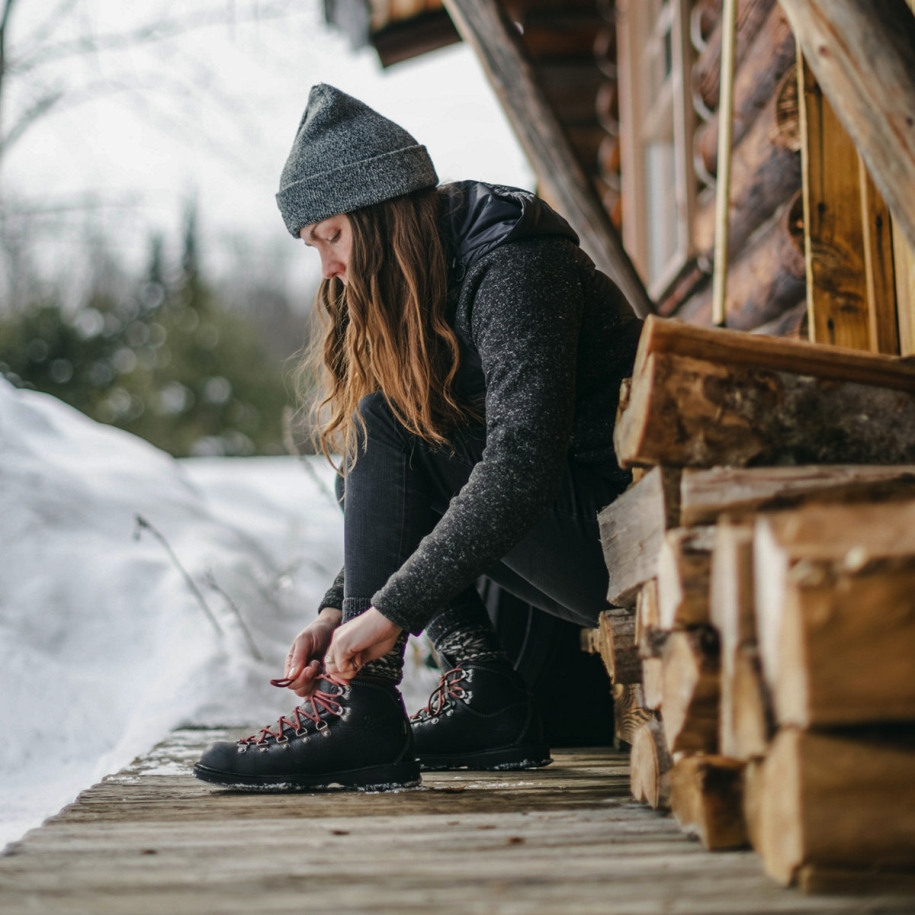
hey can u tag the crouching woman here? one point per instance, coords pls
(472, 361)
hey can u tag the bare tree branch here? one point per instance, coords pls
(158, 31)
(28, 117)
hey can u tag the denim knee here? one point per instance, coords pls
(378, 422)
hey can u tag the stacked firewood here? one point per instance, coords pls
(765, 615)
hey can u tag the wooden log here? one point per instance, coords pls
(845, 881)
(690, 690)
(834, 237)
(571, 88)
(653, 681)
(731, 609)
(706, 797)
(649, 766)
(861, 54)
(846, 647)
(765, 173)
(796, 550)
(629, 713)
(792, 325)
(586, 143)
(770, 55)
(632, 530)
(754, 774)
(560, 35)
(751, 723)
(769, 276)
(647, 619)
(497, 44)
(755, 351)
(618, 647)
(693, 413)
(751, 15)
(836, 801)
(705, 495)
(684, 564)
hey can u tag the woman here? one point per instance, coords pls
(473, 357)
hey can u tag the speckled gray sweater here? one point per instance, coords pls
(546, 339)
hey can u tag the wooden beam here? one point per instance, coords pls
(861, 55)
(904, 264)
(833, 234)
(756, 351)
(706, 494)
(879, 275)
(486, 27)
(688, 412)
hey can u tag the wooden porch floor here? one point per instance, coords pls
(565, 839)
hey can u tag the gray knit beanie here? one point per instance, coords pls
(346, 156)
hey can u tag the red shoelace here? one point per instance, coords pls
(320, 701)
(446, 690)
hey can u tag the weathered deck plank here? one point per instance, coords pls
(566, 839)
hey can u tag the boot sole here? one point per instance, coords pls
(504, 760)
(375, 779)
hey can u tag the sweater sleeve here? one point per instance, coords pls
(525, 318)
(334, 596)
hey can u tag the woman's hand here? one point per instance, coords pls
(365, 638)
(303, 663)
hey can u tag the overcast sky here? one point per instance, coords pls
(213, 112)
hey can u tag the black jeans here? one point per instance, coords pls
(401, 486)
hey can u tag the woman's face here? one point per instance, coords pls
(333, 239)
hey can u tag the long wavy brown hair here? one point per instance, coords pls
(386, 329)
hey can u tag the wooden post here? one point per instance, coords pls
(484, 25)
(723, 181)
(833, 235)
(904, 263)
(861, 54)
(878, 266)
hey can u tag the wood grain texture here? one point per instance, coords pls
(904, 265)
(846, 647)
(706, 797)
(152, 839)
(833, 231)
(632, 530)
(487, 28)
(618, 648)
(691, 688)
(686, 412)
(730, 347)
(684, 566)
(836, 801)
(649, 766)
(879, 273)
(861, 55)
(818, 543)
(707, 494)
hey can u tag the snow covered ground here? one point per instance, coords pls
(104, 644)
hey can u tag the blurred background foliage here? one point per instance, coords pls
(194, 369)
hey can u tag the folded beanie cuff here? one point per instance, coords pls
(354, 185)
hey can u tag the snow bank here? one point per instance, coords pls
(104, 646)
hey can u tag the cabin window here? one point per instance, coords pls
(656, 120)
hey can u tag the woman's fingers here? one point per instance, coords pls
(359, 641)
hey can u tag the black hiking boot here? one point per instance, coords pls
(480, 716)
(350, 734)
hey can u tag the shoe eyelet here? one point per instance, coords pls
(242, 748)
(305, 739)
(300, 732)
(435, 720)
(322, 726)
(450, 711)
(282, 739)
(263, 747)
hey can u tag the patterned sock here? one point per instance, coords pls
(465, 633)
(389, 666)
